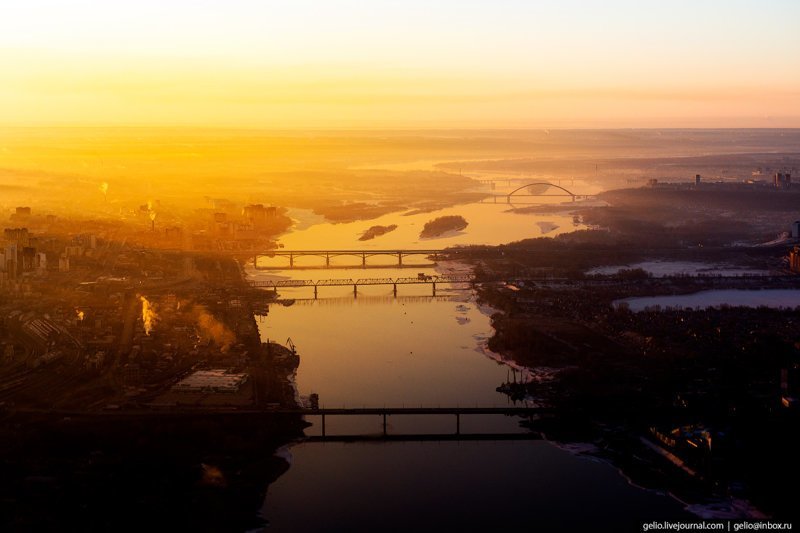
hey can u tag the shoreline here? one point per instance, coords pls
(689, 492)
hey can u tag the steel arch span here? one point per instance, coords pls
(570, 193)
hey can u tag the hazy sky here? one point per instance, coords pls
(378, 63)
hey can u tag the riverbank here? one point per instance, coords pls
(660, 372)
(616, 379)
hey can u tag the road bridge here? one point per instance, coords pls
(426, 437)
(328, 254)
(385, 412)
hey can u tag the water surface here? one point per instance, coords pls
(456, 486)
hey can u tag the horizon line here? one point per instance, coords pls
(388, 127)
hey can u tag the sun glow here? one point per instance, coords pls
(344, 63)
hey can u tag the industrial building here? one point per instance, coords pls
(217, 380)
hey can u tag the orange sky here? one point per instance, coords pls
(343, 63)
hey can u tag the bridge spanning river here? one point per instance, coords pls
(344, 282)
(328, 254)
(506, 198)
(395, 411)
(517, 193)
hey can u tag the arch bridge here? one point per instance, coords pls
(566, 192)
(516, 192)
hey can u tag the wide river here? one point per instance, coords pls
(416, 349)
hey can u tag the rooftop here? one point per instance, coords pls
(216, 380)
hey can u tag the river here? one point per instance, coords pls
(374, 349)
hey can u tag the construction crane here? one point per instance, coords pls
(291, 346)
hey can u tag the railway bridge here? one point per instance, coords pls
(343, 282)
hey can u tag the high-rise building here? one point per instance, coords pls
(27, 259)
(86, 240)
(18, 235)
(258, 214)
(794, 260)
(41, 262)
(63, 263)
(11, 260)
(783, 180)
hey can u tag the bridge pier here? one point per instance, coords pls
(323, 424)
(458, 424)
(384, 424)
(327, 260)
(434, 288)
(355, 291)
(394, 289)
(315, 292)
(363, 260)
(399, 258)
(291, 261)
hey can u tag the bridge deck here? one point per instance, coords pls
(430, 280)
(522, 411)
(282, 251)
(424, 437)
(386, 412)
(399, 254)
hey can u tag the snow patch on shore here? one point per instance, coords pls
(773, 298)
(661, 269)
(547, 227)
(731, 509)
(284, 453)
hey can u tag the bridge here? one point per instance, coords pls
(492, 181)
(376, 299)
(516, 193)
(343, 282)
(385, 412)
(327, 254)
(426, 437)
